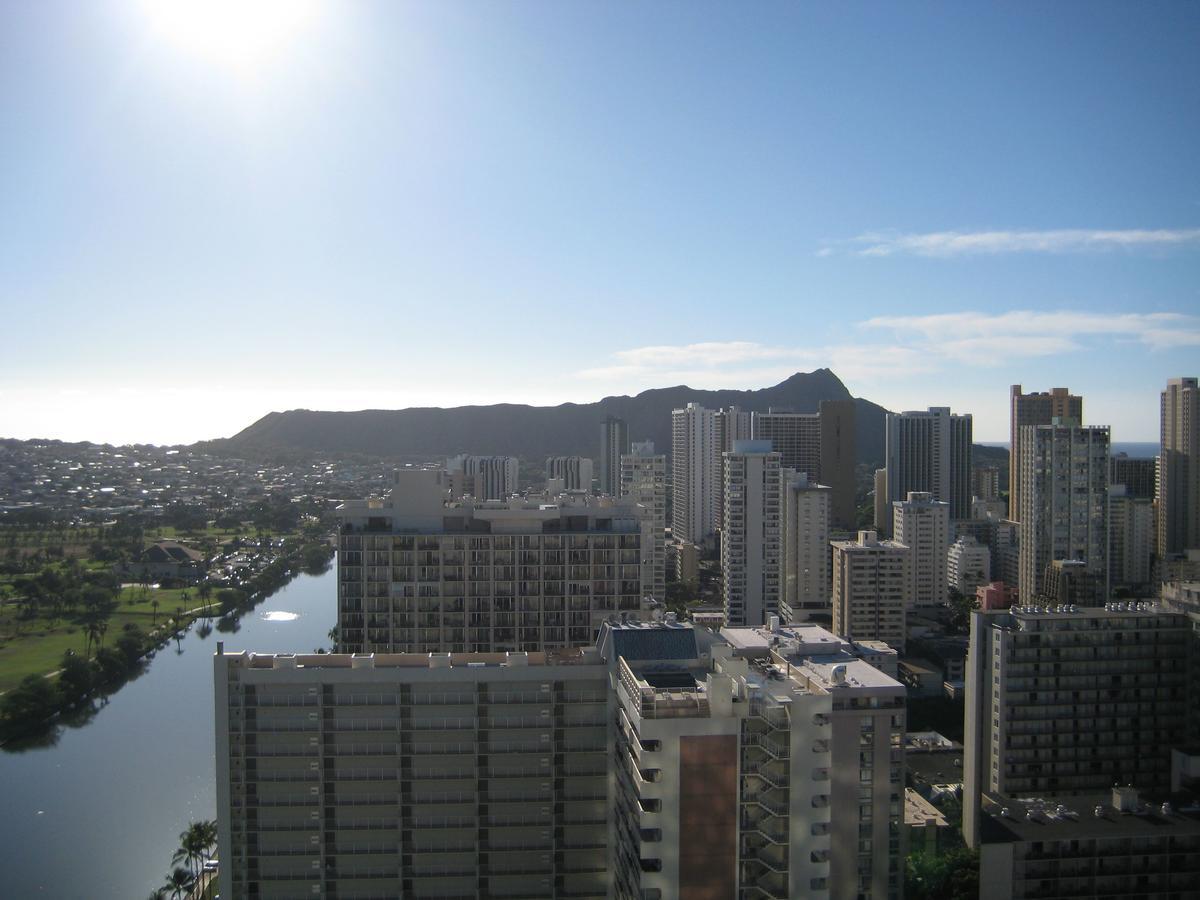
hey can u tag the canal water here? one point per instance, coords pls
(95, 812)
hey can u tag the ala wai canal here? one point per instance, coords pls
(96, 810)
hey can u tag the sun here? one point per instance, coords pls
(240, 34)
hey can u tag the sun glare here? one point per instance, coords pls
(242, 34)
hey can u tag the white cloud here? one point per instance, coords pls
(1063, 240)
(1030, 333)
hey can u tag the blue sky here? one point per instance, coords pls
(391, 204)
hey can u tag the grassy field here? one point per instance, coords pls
(36, 646)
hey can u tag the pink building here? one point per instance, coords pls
(996, 595)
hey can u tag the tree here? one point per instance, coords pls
(952, 875)
(30, 703)
(76, 679)
(154, 606)
(194, 843)
(179, 883)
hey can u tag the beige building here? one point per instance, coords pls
(1033, 409)
(1130, 539)
(923, 525)
(695, 474)
(418, 572)
(568, 473)
(644, 482)
(483, 477)
(872, 583)
(930, 451)
(1179, 468)
(805, 546)
(968, 566)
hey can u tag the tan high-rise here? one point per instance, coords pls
(1038, 408)
(1179, 468)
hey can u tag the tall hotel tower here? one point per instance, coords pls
(614, 441)
(1179, 468)
(750, 539)
(930, 452)
(1034, 409)
(695, 473)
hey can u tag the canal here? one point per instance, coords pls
(96, 812)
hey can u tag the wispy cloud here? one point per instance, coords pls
(1063, 240)
(974, 335)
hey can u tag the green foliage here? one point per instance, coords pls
(76, 680)
(31, 702)
(953, 875)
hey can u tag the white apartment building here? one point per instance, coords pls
(418, 572)
(695, 473)
(644, 482)
(1064, 497)
(805, 546)
(968, 565)
(664, 762)
(483, 477)
(923, 525)
(751, 558)
(872, 583)
(930, 451)
(573, 472)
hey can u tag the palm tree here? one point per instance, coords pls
(179, 883)
(154, 606)
(194, 843)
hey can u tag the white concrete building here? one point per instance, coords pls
(574, 472)
(644, 482)
(805, 546)
(923, 525)
(968, 566)
(483, 477)
(1064, 495)
(872, 583)
(417, 572)
(695, 474)
(930, 451)
(750, 536)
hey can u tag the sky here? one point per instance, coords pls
(212, 210)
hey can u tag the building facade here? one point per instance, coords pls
(483, 477)
(614, 442)
(805, 546)
(968, 566)
(644, 482)
(751, 549)
(419, 573)
(1038, 408)
(1130, 539)
(872, 583)
(1139, 476)
(569, 473)
(695, 474)
(930, 451)
(1179, 468)
(923, 525)
(1065, 501)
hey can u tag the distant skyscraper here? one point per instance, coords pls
(923, 525)
(1139, 476)
(750, 540)
(805, 551)
(575, 472)
(821, 444)
(1034, 409)
(614, 441)
(871, 588)
(1179, 468)
(644, 481)
(695, 473)
(1064, 501)
(930, 451)
(483, 477)
(1130, 538)
(733, 424)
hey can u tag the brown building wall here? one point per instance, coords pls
(708, 810)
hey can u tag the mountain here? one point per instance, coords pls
(534, 432)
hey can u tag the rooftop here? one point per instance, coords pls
(1012, 820)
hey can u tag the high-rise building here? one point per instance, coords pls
(1179, 468)
(614, 442)
(1064, 497)
(872, 583)
(1138, 475)
(574, 472)
(644, 482)
(770, 763)
(923, 525)
(930, 451)
(1069, 700)
(1034, 409)
(1130, 539)
(417, 573)
(750, 533)
(820, 444)
(883, 507)
(733, 424)
(483, 477)
(968, 566)
(985, 482)
(695, 473)
(805, 551)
